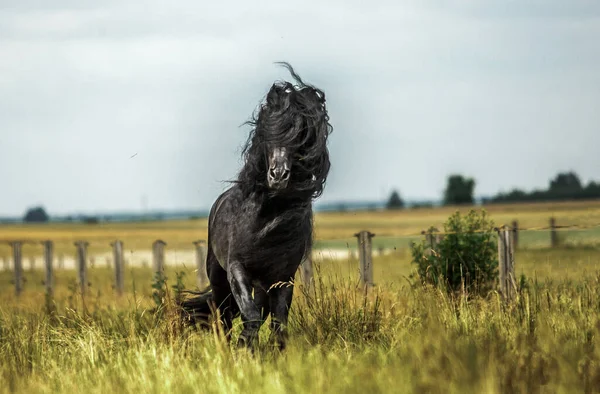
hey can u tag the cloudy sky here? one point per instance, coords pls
(106, 103)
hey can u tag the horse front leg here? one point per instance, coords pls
(241, 288)
(280, 301)
(261, 299)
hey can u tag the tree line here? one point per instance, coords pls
(460, 190)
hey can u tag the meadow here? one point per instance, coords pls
(399, 336)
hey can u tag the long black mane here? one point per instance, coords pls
(259, 234)
(294, 117)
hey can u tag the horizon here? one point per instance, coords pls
(319, 204)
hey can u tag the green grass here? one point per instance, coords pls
(400, 337)
(397, 337)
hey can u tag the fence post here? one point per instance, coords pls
(18, 266)
(515, 226)
(119, 268)
(431, 239)
(306, 272)
(438, 238)
(553, 233)
(506, 263)
(201, 274)
(158, 255)
(82, 265)
(31, 263)
(365, 256)
(49, 282)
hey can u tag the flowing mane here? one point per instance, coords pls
(261, 228)
(294, 117)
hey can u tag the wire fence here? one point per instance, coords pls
(96, 251)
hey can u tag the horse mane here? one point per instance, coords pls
(294, 117)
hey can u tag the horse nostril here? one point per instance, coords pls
(286, 174)
(272, 173)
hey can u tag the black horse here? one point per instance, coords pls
(261, 228)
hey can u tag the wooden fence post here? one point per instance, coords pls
(158, 256)
(31, 263)
(515, 226)
(365, 256)
(431, 239)
(438, 238)
(201, 274)
(18, 266)
(82, 265)
(119, 266)
(553, 233)
(506, 263)
(49, 281)
(306, 272)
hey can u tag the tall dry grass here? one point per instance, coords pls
(396, 337)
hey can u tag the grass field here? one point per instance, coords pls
(332, 230)
(398, 337)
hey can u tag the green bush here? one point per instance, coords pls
(465, 256)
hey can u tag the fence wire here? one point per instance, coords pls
(107, 240)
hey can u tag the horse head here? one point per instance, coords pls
(287, 152)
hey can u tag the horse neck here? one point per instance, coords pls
(283, 203)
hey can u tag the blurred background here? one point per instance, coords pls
(123, 120)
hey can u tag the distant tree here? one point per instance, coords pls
(592, 190)
(36, 215)
(395, 201)
(565, 185)
(459, 190)
(513, 195)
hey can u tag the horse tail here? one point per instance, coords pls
(197, 309)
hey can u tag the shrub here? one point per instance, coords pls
(465, 256)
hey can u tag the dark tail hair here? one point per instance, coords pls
(197, 309)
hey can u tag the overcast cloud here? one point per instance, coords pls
(506, 92)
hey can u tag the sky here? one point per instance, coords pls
(122, 106)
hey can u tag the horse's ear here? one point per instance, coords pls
(274, 95)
